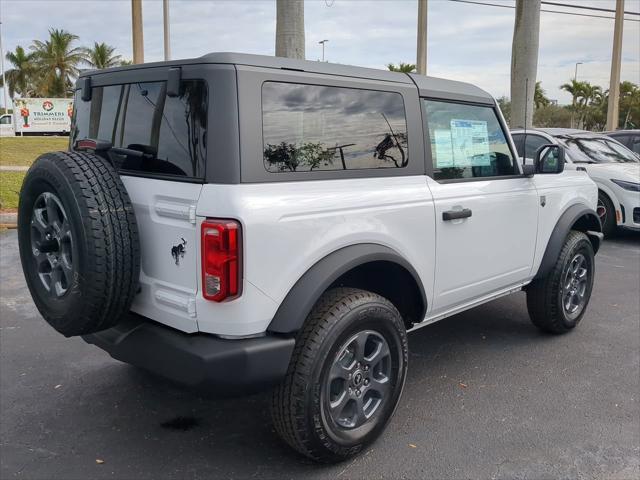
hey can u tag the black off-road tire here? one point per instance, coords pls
(299, 405)
(609, 223)
(546, 296)
(76, 203)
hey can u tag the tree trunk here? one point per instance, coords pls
(524, 62)
(290, 29)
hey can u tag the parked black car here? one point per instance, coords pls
(629, 138)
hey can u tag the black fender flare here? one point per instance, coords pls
(296, 306)
(581, 216)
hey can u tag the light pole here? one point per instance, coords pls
(322, 42)
(4, 80)
(167, 41)
(575, 75)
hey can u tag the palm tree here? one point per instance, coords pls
(589, 98)
(19, 78)
(539, 96)
(629, 103)
(589, 94)
(575, 88)
(101, 56)
(403, 67)
(56, 62)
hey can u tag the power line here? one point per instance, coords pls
(546, 11)
(556, 4)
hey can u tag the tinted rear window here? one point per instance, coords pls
(140, 116)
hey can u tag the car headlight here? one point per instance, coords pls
(634, 187)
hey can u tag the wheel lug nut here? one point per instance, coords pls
(366, 382)
(358, 392)
(366, 368)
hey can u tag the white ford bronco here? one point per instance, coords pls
(249, 223)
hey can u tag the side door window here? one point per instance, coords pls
(467, 141)
(626, 140)
(531, 145)
(635, 144)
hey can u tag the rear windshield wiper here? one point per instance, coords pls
(104, 146)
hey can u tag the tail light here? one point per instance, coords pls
(221, 260)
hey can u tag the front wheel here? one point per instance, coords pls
(345, 377)
(557, 302)
(607, 214)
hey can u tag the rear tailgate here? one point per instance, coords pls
(166, 216)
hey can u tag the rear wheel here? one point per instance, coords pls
(345, 377)
(607, 214)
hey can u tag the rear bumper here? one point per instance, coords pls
(197, 360)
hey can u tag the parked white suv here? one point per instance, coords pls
(249, 222)
(613, 167)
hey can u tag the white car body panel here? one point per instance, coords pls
(288, 227)
(472, 257)
(166, 214)
(560, 192)
(604, 173)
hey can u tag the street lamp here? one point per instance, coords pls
(575, 76)
(322, 42)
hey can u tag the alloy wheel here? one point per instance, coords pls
(360, 380)
(52, 244)
(575, 285)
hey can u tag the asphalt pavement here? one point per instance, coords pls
(487, 396)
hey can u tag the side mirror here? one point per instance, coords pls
(550, 159)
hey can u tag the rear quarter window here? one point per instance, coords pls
(171, 131)
(313, 128)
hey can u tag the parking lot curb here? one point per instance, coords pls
(8, 220)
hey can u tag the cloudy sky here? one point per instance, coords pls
(466, 42)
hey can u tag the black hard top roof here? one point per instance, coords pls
(428, 86)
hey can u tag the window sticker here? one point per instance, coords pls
(443, 148)
(470, 141)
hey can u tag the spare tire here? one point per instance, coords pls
(78, 241)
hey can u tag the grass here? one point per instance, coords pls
(10, 183)
(22, 151)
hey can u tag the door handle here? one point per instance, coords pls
(456, 214)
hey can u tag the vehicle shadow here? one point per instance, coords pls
(625, 237)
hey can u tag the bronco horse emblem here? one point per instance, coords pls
(178, 251)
